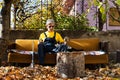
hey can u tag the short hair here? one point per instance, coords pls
(50, 21)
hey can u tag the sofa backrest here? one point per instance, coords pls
(86, 44)
(27, 44)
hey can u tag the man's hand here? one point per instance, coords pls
(40, 41)
(66, 39)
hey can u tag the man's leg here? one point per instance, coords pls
(41, 53)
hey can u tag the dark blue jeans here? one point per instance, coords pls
(42, 50)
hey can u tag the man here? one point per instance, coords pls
(50, 41)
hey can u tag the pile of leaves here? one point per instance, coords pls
(50, 73)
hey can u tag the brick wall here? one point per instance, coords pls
(112, 36)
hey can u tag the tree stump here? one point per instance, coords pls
(70, 64)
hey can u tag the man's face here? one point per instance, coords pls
(50, 27)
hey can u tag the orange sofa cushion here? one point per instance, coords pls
(27, 44)
(86, 44)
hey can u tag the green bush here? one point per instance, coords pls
(78, 22)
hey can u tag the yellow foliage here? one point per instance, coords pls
(1, 5)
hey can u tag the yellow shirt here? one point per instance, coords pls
(58, 37)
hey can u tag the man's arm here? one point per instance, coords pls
(41, 37)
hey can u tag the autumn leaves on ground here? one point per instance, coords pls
(111, 72)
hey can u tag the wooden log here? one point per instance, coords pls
(70, 64)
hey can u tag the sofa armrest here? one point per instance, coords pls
(11, 46)
(104, 46)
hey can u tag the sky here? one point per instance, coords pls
(1, 0)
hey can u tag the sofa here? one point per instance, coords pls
(22, 49)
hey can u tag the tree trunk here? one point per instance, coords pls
(70, 64)
(6, 27)
(67, 6)
(6, 19)
(101, 22)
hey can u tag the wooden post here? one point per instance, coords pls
(70, 64)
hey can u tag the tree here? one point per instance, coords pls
(6, 26)
(6, 18)
(103, 10)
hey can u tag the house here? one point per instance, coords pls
(82, 6)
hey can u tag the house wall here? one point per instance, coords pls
(92, 19)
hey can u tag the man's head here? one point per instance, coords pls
(50, 21)
(50, 24)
